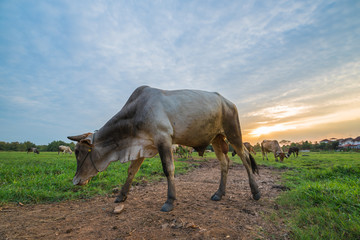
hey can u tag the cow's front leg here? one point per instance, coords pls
(276, 159)
(132, 170)
(169, 170)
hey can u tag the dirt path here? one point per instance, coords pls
(195, 216)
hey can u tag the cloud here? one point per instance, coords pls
(279, 61)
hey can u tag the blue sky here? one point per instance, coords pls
(291, 67)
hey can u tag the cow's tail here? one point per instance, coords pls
(253, 164)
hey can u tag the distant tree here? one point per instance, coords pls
(27, 145)
(42, 148)
(305, 145)
(23, 146)
(334, 145)
(315, 146)
(13, 146)
(71, 145)
(284, 142)
(2, 146)
(322, 146)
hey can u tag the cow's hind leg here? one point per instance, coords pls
(251, 168)
(132, 170)
(169, 170)
(221, 149)
(233, 134)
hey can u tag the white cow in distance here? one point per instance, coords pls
(64, 149)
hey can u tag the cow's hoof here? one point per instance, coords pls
(257, 196)
(167, 207)
(216, 197)
(120, 199)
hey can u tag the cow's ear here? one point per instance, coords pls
(86, 141)
(78, 138)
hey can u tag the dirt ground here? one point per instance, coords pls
(236, 216)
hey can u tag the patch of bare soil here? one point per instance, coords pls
(236, 216)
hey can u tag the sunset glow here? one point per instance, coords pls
(269, 129)
(340, 117)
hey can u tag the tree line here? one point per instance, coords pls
(23, 146)
(54, 145)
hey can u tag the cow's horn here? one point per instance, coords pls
(78, 138)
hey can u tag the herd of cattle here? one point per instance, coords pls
(61, 149)
(267, 146)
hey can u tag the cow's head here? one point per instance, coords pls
(85, 157)
(281, 155)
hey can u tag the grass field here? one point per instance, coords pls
(47, 177)
(323, 201)
(324, 197)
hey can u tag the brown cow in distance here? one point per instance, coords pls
(273, 146)
(151, 121)
(248, 146)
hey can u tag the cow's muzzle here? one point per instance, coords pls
(78, 181)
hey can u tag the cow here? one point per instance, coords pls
(150, 122)
(294, 150)
(274, 147)
(64, 149)
(34, 150)
(248, 147)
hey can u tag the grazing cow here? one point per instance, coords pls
(248, 147)
(64, 149)
(274, 147)
(294, 150)
(34, 150)
(151, 121)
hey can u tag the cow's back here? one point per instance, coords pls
(270, 146)
(194, 117)
(190, 117)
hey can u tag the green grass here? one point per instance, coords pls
(324, 197)
(47, 177)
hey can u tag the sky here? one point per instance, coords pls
(291, 67)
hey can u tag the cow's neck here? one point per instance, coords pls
(119, 140)
(105, 149)
(102, 142)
